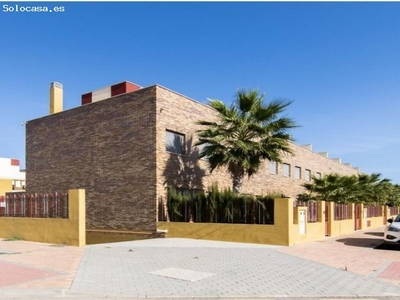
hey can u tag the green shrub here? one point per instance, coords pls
(220, 206)
(13, 238)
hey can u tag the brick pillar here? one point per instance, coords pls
(321, 210)
(77, 214)
(363, 218)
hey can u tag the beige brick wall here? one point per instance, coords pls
(306, 160)
(106, 148)
(178, 113)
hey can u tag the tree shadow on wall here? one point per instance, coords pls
(183, 171)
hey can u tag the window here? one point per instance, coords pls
(308, 175)
(286, 170)
(318, 175)
(273, 167)
(200, 148)
(175, 142)
(297, 172)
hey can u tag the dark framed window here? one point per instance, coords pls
(174, 142)
(297, 172)
(286, 170)
(308, 175)
(200, 149)
(273, 167)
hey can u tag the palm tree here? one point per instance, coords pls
(374, 189)
(247, 133)
(345, 189)
(331, 187)
(393, 195)
(322, 188)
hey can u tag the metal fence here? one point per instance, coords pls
(38, 205)
(394, 211)
(242, 212)
(312, 209)
(342, 211)
(373, 211)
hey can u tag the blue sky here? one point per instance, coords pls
(339, 63)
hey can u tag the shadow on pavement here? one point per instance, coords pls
(374, 233)
(360, 242)
(376, 244)
(384, 246)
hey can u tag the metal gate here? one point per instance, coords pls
(385, 216)
(327, 233)
(357, 216)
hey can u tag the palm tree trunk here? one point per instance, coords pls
(165, 209)
(237, 182)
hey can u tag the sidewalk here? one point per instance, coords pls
(163, 268)
(354, 253)
(38, 265)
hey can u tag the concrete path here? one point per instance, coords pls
(181, 268)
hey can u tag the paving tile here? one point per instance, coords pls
(354, 253)
(183, 274)
(239, 272)
(61, 260)
(391, 272)
(347, 266)
(12, 274)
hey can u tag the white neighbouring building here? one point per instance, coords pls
(12, 178)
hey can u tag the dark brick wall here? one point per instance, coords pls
(106, 148)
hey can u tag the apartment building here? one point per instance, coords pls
(125, 144)
(12, 178)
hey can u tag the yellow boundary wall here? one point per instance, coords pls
(5, 186)
(313, 231)
(100, 236)
(71, 231)
(287, 229)
(277, 234)
(340, 227)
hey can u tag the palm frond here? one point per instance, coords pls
(247, 132)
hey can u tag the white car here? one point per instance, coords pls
(392, 232)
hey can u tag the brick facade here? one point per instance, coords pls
(180, 114)
(106, 148)
(116, 150)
